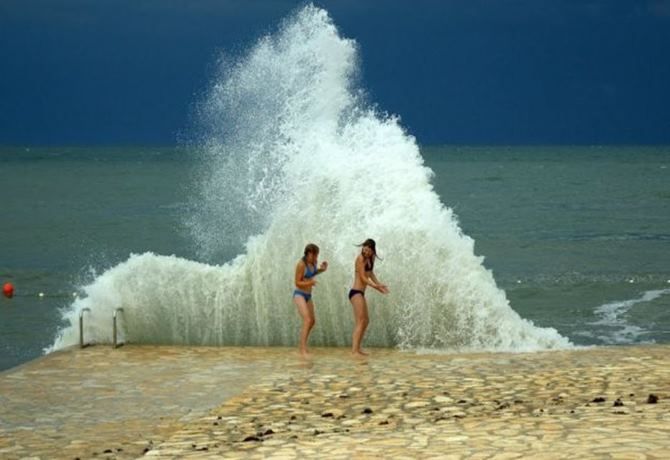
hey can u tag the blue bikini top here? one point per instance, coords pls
(310, 273)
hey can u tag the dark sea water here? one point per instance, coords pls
(578, 237)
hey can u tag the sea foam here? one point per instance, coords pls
(293, 154)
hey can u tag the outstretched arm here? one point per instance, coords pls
(379, 286)
(365, 276)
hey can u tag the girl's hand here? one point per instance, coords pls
(324, 266)
(383, 289)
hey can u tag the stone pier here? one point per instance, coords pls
(203, 402)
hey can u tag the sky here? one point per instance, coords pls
(497, 72)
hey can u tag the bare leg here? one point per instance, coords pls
(362, 320)
(306, 310)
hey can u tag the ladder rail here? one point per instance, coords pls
(81, 327)
(115, 329)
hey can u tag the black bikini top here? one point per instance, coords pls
(369, 265)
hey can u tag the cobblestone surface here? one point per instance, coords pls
(172, 402)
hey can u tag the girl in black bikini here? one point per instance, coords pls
(305, 273)
(363, 277)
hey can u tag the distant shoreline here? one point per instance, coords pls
(421, 146)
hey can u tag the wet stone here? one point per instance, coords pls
(499, 395)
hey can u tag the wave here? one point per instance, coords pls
(294, 154)
(613, 325)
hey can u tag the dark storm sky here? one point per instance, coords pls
(456, 71)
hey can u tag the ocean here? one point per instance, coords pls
(577, 237)
(483, 248)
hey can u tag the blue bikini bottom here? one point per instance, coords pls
(305, 295)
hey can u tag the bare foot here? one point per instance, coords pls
(358, 354)
(304, 354)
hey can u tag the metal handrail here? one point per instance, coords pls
(81, 326)
(114, 328)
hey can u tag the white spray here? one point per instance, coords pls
(294, 156)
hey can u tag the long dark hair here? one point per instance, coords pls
(370, 243)
(310, 248)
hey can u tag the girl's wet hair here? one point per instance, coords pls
(310, 248)
(370, 243)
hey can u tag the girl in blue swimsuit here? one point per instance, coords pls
(363, 277)
(305, 278)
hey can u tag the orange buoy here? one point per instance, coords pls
(8, 290)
